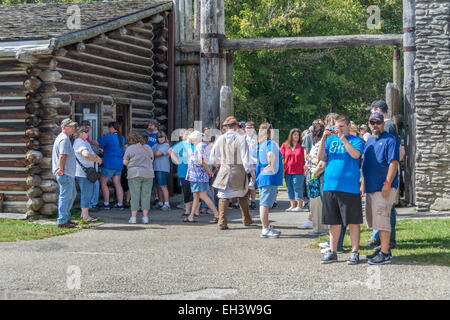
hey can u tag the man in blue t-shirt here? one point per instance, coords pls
(152, 132)
(341, 197)
(380, 183)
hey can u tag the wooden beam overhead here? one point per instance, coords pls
(299, 42)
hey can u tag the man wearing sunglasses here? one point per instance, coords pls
(380, 181)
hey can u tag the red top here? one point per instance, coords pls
(294, 160)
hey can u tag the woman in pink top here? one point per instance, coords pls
(294, 162)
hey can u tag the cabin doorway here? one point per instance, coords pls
(123, 117)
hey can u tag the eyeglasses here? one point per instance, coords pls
(375, 122)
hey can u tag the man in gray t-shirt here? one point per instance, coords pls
(63, 167)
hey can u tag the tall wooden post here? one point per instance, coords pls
(221, 31)
(397, 68)
(409, 55)
(229, 79)
(209, 64)
(393, 99)
(226, 100)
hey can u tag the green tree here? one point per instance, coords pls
(294, 87)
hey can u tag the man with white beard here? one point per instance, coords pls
(231, 152)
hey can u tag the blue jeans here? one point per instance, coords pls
(375, 236)
(87, 190)
(67, 195)
(94, 200)
(294, 184)
(267, 195)
(209, 193)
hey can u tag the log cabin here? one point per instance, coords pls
(96, 61)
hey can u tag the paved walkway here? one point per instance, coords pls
(168, 259)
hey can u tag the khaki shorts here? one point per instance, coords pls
(378, 210)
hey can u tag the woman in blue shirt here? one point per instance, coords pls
(269, 175)
(113, 145)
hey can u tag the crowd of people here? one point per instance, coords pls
(326, 168)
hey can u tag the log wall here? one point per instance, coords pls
(13, 142)
(127, 66)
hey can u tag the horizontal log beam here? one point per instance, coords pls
(13, 162)
(113, 83)
(16, 76)
(299, 42)
(76, 87)
(128, 48)
(13, 114)
(17, 90)
(12, 150)
(12, 103)
(142, 32)
(107, 62)
(117, 55)
(73, 64)
(12, 126)
(13, 138)
(133, 40)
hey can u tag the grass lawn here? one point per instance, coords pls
(17, 230)
(418, 240)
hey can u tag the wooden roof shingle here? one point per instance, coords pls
(49, 20)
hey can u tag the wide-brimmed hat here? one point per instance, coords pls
(68, 122)
(230, 121)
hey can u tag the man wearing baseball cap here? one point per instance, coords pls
(380, 181)
(64, 167)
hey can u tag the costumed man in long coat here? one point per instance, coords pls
(231, 152)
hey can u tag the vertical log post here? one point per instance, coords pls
(221, 32)
(229, 79)
(171, 73)
(393, 99)
(209, 64)
(397, 68)
(226, 100)
(409, 55)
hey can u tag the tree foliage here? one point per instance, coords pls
(294, 87)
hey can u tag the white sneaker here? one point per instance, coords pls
(145, 220)
(324, 245)
(289, 209)
(270, 233)
(132, 220)
(306, 225)
(296, 209)
(165, 208)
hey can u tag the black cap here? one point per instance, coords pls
(378, 104)
(376, 116)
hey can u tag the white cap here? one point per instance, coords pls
(196, 135)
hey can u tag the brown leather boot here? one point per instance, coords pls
(246, 218)
(223, 206)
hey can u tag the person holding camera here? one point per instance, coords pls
(341, 152)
